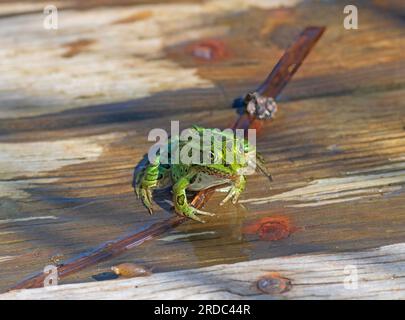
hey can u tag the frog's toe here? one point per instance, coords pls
(150, 210)
(146, 197)
(193, 213)
(226, 199)
(196, 218)
(235, 198)
(233, 194)
(204, 213)
(137, 191)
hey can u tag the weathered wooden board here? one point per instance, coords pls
(372, 274)
(76, 106)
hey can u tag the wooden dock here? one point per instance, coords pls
(77, 103)
(373, 274)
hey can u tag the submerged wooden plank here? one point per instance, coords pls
(336, 149)
(273, 86)
(371, 274)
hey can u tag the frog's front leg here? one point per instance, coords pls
(180, 199)
(236, 189)
(145, 181)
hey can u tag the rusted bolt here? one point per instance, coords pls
(273, 283)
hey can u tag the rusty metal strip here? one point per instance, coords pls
(290, 62)
(283, 72)
(272, 86)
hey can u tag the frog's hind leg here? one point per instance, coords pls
(180, 200)
(236, 189)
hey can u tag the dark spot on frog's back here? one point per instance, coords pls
(180, 199)
(194, 178)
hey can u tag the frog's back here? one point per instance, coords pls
(179, 171)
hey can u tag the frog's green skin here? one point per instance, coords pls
(197, 177)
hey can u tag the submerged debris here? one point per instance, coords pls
(260, 106)
(131, 270)
(57, 259)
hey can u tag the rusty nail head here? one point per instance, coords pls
(273, 283)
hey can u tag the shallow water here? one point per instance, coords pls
(336, 155)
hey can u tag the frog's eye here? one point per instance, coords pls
(215, 158)
(246, 147)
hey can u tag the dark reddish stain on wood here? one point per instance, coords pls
(208, 50)
(270, 228)
(76, 47)
(138, 16)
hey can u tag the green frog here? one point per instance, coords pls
(183, 176)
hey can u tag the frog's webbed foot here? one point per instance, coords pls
(235, 191)
(181, 205)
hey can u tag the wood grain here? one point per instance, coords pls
(274, 84)
(336, 149)
(376, 274)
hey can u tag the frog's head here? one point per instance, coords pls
(246, 159)
(253, 160)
